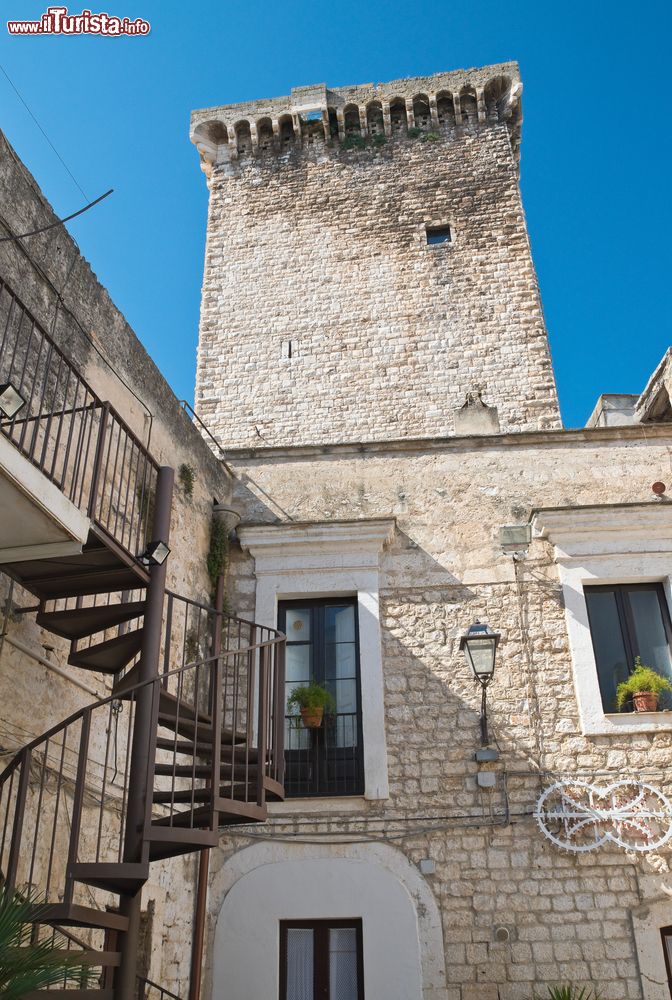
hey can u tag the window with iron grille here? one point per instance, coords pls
(321, 960)
(626, 621)
(323, 646)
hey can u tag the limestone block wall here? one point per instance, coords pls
(568, 917)
(325, 314)
(38, 688)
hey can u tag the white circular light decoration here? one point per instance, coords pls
(578, 816)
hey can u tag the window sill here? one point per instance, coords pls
(615, 723)
(336, 804)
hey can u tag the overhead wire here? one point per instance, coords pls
(28, 109)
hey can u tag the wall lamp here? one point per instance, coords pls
(155, 554)
(479, 644)
(11, 400)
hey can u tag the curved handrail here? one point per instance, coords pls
(226, 694)
(158, 679)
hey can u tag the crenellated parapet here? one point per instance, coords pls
(316, 117)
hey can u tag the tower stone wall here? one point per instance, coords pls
(327, 315)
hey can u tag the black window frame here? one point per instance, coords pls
(321, 755)
(439, 236)
(320, 930)
(666, 932)
(626, 619)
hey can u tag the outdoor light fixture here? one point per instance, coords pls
(155, 554)
(11, 400)
(479, 644)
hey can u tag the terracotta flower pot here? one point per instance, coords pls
(645, 701)
(312, 717)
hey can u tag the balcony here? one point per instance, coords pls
(72, 473)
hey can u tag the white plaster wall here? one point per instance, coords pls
(402, 940)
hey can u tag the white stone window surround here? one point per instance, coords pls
(608, 544)
(331, 559)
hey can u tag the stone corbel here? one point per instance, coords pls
(387, 121)
(363, 122)
(255, 138)
(480, 101)
(434, 111)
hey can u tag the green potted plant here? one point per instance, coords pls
(312, 701)
(643, 686)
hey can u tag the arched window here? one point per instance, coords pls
(243, 138)
(312, 129)
(398, 117)
(265, 135)
(213, 131)
(374, 118)
(469, 106)
(333, 123)
(422, 113)
(497, 93)
(445, 109)
(287, 136)
(352, 122)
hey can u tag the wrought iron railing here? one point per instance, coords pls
(63, 797)
(78, 441)
(326, 760)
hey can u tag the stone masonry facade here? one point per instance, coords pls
(326, 314)
(568, 917)
(337, 347)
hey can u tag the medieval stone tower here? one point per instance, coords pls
(368, 273)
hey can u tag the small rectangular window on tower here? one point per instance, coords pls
(286, 349)
(437, 235)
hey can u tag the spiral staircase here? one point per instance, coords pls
(190, 738)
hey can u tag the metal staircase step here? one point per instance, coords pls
(78, 584)
(75, 623)
(111, 656)
(203, 770)
(202, 731)
(73, 915)
(203, 749)
(70, 994)
(191, 820)
(121, 877)
(187, 795)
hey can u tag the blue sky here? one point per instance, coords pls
(595, 155)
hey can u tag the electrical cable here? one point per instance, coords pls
(59, 222)
(25, 104)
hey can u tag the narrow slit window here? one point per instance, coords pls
(438, 235)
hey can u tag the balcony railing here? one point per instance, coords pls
(324, 761)
(78, 441)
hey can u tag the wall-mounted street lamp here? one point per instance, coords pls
(11, 400)
(479, 644)
(155, 554)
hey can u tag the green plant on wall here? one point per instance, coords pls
(218, 551)
(414, 133)
(186, 475)
(379, 139)
(430, 137)
(354, 142)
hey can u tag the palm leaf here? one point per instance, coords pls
(27, 965)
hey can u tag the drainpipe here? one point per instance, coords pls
(198, 938)
(138, 808)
